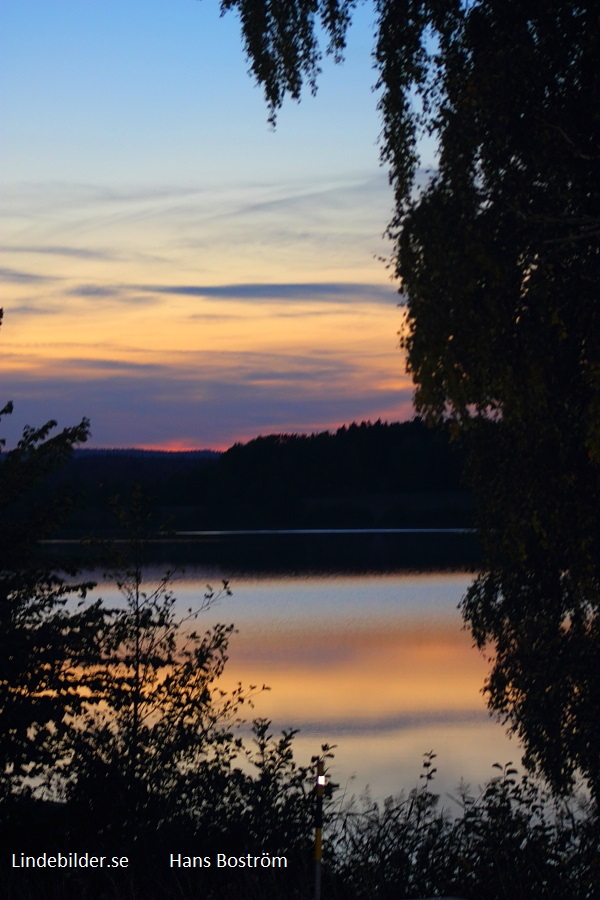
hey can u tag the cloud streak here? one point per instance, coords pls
(14, 276)
(340, 292)
(28, 309)
(48, 250)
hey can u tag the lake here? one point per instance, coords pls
(358, 648)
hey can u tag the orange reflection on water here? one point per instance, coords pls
(373, 674)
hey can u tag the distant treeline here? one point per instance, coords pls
(362, 475)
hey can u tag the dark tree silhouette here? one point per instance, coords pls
(42, 642)
(498, 257)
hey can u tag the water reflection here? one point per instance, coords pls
(378, 664)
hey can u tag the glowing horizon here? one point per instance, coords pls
(174, 269)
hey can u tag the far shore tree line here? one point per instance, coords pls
(366, 475)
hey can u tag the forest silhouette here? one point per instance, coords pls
(367, 475)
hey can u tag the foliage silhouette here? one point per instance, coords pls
(156, 713)
(511, 840)
(43, 641)
(146, 750)
(497, 255)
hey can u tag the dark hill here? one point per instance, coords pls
(362, 475)
(367, 475)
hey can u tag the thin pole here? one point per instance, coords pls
(319, 827)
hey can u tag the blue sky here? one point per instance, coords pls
(172, 267)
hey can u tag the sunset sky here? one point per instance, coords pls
(172, 267)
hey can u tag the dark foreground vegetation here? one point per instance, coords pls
(509, 840)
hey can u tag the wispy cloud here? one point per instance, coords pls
(25, 309)
(308, 198)
(72, 194)
(15, 276)
(49, 250)
(341, 292)
(116, 294)
(110, 365)
(94, 290)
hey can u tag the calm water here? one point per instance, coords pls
(376, 662)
